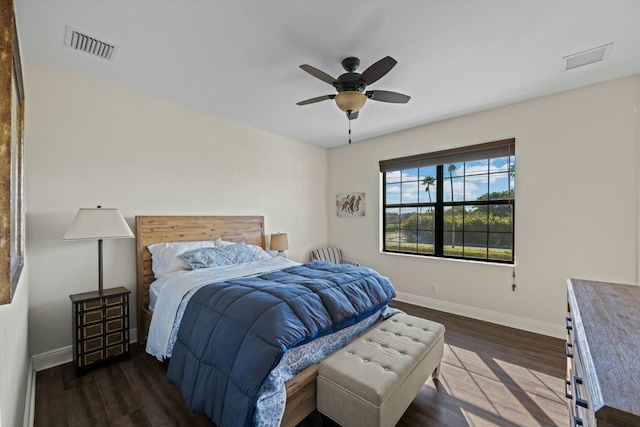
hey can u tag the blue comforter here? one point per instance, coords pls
(234, 333)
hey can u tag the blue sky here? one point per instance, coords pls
(470, 180)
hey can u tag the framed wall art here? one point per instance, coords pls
(350, 204)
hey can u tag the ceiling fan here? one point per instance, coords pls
(351, 86)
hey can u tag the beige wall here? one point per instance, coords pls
(15, 358)
(576, 204)
(90, 143)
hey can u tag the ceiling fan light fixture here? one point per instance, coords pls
(350, 101)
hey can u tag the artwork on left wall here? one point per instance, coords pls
(350, 204)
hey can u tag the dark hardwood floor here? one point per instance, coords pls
(491, 376)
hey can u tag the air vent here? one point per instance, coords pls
(587, 57)
(91, 45)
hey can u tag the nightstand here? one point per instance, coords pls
(100, 328)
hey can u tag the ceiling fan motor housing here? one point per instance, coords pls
(350, 82)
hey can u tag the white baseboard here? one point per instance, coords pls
(52, 358)
(536, 326)
(63, 355)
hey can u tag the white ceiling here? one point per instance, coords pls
(240, 59)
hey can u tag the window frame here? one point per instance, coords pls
(496, 149)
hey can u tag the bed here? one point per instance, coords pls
(301, 389)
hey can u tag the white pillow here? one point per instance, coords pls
(261, 253)
(165, 257)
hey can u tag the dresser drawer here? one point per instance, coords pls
(91, 331)
(115, 299)
(89, 358)
(577, 391)
(91, 316)
(92, 344)
(90, 304)
(116, 338)
(580, 399)
(112, 312)
(116, 325)
(116, 350)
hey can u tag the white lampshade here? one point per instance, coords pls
(98, 223)
(279, 242)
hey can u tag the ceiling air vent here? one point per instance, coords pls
(587, 57)
(91, 45)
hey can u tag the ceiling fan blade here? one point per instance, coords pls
(387, 96)
(353, 115)
(316, 99)
(378, 70)
(318, 74)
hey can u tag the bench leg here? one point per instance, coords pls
(436, 372)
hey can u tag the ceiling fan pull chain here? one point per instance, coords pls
(349, 119)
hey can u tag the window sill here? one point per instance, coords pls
(466, 261)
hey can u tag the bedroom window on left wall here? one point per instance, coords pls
(11, 156)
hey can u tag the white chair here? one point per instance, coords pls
(333, 255)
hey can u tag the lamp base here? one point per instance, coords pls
(100, 270)
(281, 253)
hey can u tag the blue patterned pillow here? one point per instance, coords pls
(217, 257)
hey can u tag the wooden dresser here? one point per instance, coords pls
(603, 354)
(100, 327)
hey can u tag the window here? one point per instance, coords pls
(455, 204)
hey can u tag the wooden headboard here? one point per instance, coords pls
(160, 229)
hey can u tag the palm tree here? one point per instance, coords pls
(428, 181)
(451, 169)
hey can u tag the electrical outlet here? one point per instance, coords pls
(434, 288)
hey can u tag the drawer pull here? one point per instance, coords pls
(577, 421)
(567, 389)
(568, 322)
(567, 348)
(579, 402)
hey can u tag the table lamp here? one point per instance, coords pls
(279, 243)
(98, 224)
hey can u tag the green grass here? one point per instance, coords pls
(458, 251)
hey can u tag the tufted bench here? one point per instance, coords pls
(374, 379)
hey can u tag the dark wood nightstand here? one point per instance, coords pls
(100, 328)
